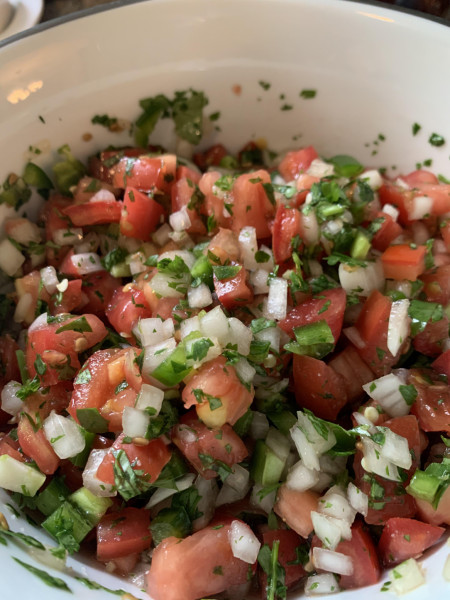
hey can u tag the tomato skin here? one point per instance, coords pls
(60, 350)
(362, 551)
(140, 215)
(442, 364)
(219, 380)
(151, 459)
(286, 226)
(70, 300)
(329, 305)
(182, 193)
(123, 533)
(387, 233)
(289, 541)
(145, 173)
(439, 193)
(353, 369)
(391, 193)
(211, 157)
(126, 307)
(100, 167)
(35, 445)
(184, 569)
(9, 367)
(251, 205)
(295, 508)
(234, 291)
(406, 538)
(98, 288)
(188, 173)
(318, 387)
(94, 213)
(432, 405)
(9, 447)
(220, 444)
(403, 262)
(297, 162)
(437, 284)
(418, 177)
(225, 246)
(431, 340)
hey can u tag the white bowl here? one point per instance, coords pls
(376, 71)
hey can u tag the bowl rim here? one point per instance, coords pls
(115, 4)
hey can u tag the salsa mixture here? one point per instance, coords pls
(227, 376)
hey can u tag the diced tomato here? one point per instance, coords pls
(67, 266)
(149, 459)
(98, 288)
(318, 387)
(252, 206)
(140, 216)
(186, 194)
(58, 344)
(145, 173)
(353, 369)
(388, 232)
(103, 166)
(164, 308)
(9, 367)
(87, 187)
(295, 508)
(437, 284)
(202, 446)
(397, 195)
(69, 300)
(406, 538)
(286, 226)
(124, 565)
(362, 551)
(418, 177)
(211, 157)
(297, 162)
(73, 476)
(105, 370)
(435, 516)
(31, 284)
(404, 262)
(329, 305)
(127, 305)
(35, 445)
(53, 216)
(9, 447)
(234, 291)
(225, 246)
(287, 556)
(199, 566)
(217, 380)
(94, 213)
(445, 232)
(439, 193)
(186, 172)
(442, 364)
(215, 206)
(431, 340)
(432, 405)
(123, 533)
(304, 185)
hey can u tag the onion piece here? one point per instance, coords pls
(276, 306)
(49, 279)
(215, 324)
(248, 245)
(330, 530)
(336, 505)
(396, 449)
(161, 235)
(386, 391)
(67, 237)
(373, 462)
(259, 427)
(150, 397)
(23, 307)
(64, 435)
(304, 448)
(11, 404)
(301, 478)
(244, 543)
(240, 335)
(406, 576)
(355, 337)
(358, 499)
(420, 206)
(244, 370)
(11, 259)
(372, 178)
(258, 280)
(135, 422)
(153, 330)
(90, 480)
(398, 326)
(363, 280)
(320, 585)
(87, 262)
(235, 487)
(391, 210)
(180, 220)
(155, 355)
(189, 325)
(199, 297)
(335, 562)
(208, 490)
(182, 483)
(261, 499)
(272, 335)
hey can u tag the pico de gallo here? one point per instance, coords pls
(228, 376)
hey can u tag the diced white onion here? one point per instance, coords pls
(90, 480)
(169, 287)
(67, 237)
(153, 330)
(188, 326)
(248, 245)
(64, 435)
(320, 443)
(333, 465)
(386, 391)
(103, 195)
(319, 168)
(180, 220)
(240, 335)
(335, 562)
(244, 543)
(373, 462)
(23, 231)
(391, 210)
(300, 478)
(244, 370)
(269, 265)
(305, 449)
(87, 262)
(208, 490)
(278, 443)
(398, 326)
(406, 576)
(420, 206)
(213, 351)
(23, 307)
(235, 487)
(258, 280)
(323, 482)
(361, 419)
(311, 230)
(136, 262)
(215, 324)
(49, 279)
(260, 499)
(396, 449)
(200, 296)
(272, 335)
(358, 499)
(187, 257)
(11, 259)
(277, 298)
(47, 558)
(11, 404)
(38, 323)
(135, 422)
(320, 585)
(403, 285)
(259, 426)
(180, 484)
(330, 530)
(150, 397)
(337, 506)
(372, 178)
(161, 235)
(362, 280)
(155, 355)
